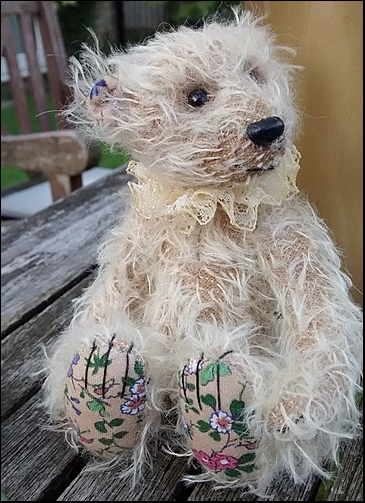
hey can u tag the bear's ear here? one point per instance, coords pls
(102, 100)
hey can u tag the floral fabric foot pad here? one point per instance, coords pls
(213, 395)
(105, 394)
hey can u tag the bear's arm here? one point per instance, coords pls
(319, 328)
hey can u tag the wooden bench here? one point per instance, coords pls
(47, 260)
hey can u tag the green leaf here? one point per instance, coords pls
(103, 412)
(203, 426)
(247, 468)
(209, 400)
(215, 436)
(66, 389)
(94, 405)
(237, 407)
(120, 434)
(246, 458)
(116, 422)
(82, 394)
(191, 386)
(232, 473)
(138, 368)
(100, 426)
(195, 410)
(104, 362)
(189, 401)
(130, 381)
(207, 374)
(224, 370)
(106, 441)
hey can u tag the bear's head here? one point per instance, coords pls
(196, 107)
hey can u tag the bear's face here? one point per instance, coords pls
(195, 107)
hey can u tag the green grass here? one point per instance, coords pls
(12, 175)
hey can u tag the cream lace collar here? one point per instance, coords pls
(186, 207)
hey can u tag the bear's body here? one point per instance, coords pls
(220, 294)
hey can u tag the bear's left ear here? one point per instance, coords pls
(102, 98)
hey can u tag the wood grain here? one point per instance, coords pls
(348, 485)
(53, 152)
(59, 244)
(22, 354)
(36, 464)
(158, 485)
(283, 489)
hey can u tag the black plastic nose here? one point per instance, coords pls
(265, 131)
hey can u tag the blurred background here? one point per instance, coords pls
(329, 39)
(116, 23)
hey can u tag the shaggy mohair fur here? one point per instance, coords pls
(179, 281)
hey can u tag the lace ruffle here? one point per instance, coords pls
(186, 207)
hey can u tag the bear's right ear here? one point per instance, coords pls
(101, 99)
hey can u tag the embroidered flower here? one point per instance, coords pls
(204, 459)
(139, 387)
(222, 462)
(134, 405)
(193, 366)
(75, 359)
(221, 421)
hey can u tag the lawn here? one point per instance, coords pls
(11, 176)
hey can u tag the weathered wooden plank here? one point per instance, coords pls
(160, 485)
(59, 244)
(17, 7)
(348, 485)
(282, 489)
(36, 464)
(52, 152)
(22, 355)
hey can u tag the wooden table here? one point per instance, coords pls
(47, 260)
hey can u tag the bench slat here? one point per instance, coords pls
(25, 356)
(35, 464)
(282, 490)
(348, 485)
(105, 486)
(60, 241)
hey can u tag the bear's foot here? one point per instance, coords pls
(213, 396)
(105, 394)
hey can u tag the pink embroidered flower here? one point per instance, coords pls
(139, 387)
(134, 405)
(221, 421)
(204, 459)
(222, 462)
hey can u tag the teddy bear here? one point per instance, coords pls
(219, 312)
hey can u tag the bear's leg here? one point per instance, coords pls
(215, 394)
(105, 396)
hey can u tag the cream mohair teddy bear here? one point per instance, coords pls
(220, 294)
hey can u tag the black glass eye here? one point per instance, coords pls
(198, 98)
